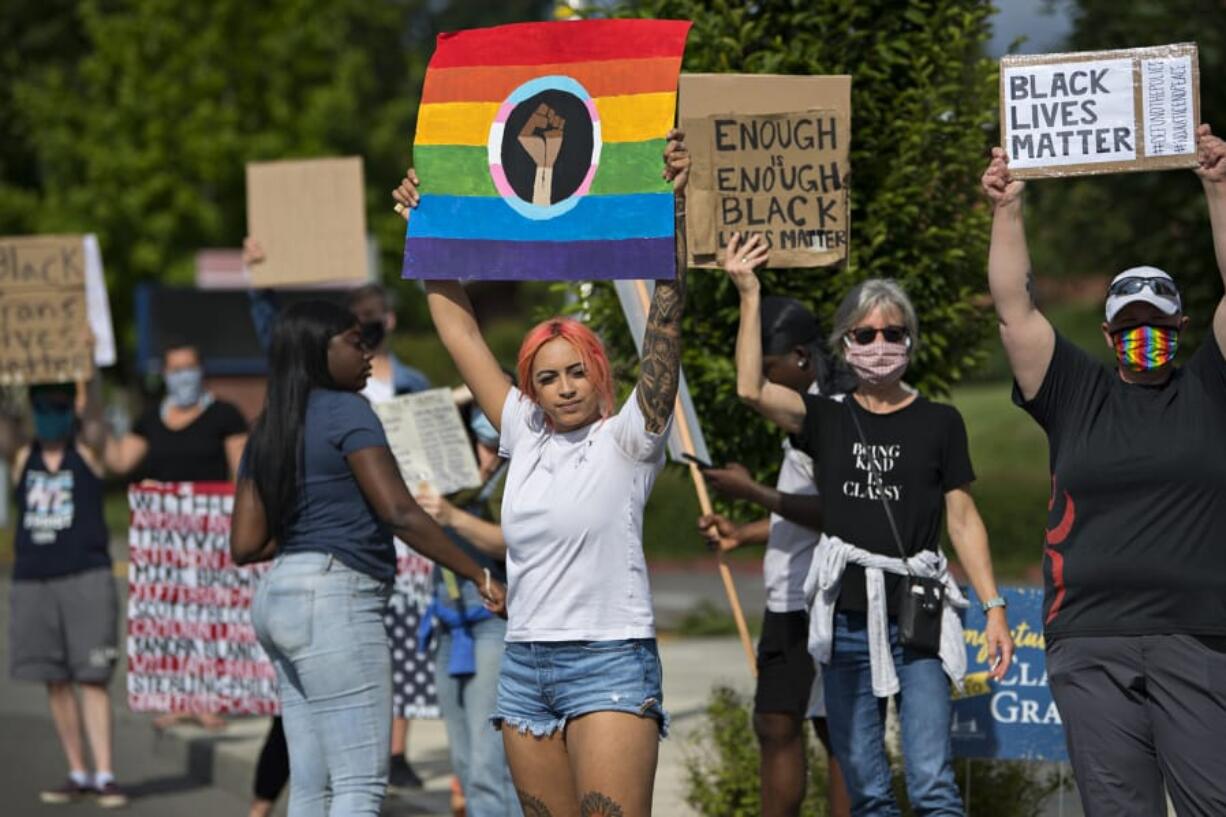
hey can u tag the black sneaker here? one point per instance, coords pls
(69, 792)
(110, 795)
(401, 774)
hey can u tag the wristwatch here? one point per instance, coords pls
(995, 601)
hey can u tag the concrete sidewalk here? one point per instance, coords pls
(691, 668)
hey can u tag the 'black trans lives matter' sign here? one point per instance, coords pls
(1100, 112)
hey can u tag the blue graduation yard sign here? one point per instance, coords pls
(1014, 718)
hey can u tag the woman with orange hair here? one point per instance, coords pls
(580, 686)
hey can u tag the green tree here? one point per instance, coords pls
(1100, 225)
(139, 122)
(923, 108)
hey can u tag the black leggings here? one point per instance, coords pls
(272, 770)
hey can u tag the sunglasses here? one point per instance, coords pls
(1134, 284)
(864, 335)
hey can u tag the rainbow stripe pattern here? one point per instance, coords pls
(613, 219)
(1143, 348)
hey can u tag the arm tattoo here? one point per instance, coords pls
(660, 369)
(532, 806)
(1034, 302)
(595, 804)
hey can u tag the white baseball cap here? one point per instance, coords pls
(1148, 284)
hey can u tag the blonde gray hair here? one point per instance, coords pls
(866, 296)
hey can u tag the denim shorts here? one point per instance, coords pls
(544, 684)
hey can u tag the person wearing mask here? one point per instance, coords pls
(468, 640)
(1134, 565)
(188, 436)
(793, 355)
(890, 464)
(579, 705)
(64, 606)
(320, 490)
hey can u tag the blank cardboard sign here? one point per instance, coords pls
(1100, 111)
(310, 218)
(44, 323)
(770, 155)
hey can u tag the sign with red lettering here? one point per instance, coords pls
(191, 646)
(1100, 111)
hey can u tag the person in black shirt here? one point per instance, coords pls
(883, 442)
(1134, 561)
(64, 606)
(190, 436)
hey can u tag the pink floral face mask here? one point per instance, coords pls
(878, 363)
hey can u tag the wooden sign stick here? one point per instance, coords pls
(704, 503)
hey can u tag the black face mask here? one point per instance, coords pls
(372, 333)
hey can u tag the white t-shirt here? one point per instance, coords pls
(572, 515)
(789, 548)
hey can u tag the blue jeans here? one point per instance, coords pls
(856, 720)
(321, 623)
(477, 755)
(544, 684)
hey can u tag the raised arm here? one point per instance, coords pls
(1028, 338)
(456, 324)
(660, 369)
(779, 404)
(1212, 172)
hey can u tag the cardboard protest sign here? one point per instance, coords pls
(310, 218)
(191, 646)
(1015, 718)
(771, 154)
(427, 437)
(1100, 111)
(685, 434)
(44, 324)
(539, 150)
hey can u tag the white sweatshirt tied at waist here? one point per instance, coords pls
(831, 558)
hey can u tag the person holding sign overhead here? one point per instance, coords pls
(64, 609)
(580, 705)
(794, 356)
(890, 464)
(320, 490)
(1134, 565)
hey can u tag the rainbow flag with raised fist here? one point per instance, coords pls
(539, 147)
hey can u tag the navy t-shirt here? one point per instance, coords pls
(332, 515)
(60, 526)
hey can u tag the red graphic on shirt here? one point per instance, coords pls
(1056, 536)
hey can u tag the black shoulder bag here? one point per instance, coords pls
(919, 616)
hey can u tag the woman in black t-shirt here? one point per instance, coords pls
(190, 436)
(1134, 562)
(882, 442)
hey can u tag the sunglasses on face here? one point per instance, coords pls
(864, 335)
(1133, 284)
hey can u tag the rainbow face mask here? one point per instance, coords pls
(1145, 348)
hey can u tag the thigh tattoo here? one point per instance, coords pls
(595, 804)
(532, 806)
